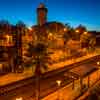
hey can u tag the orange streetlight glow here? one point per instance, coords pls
(58, 82)
(8, 37)
(20, 98)
(30, 29)
(65, 29)
(77, 31)
(98, 63)
(85, 33)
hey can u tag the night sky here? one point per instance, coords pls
(74, 12)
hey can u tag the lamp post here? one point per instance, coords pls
(59, 84)
(98, 63)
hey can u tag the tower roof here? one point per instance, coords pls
(41, 5)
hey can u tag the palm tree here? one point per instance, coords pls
(40, 58)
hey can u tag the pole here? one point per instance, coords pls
(73, 84)
(81, 84)
(58, 83)
(88, 81)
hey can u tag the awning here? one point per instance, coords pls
(83, 70)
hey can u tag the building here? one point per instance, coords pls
(6, 50)
(97, 35)
(52, 32)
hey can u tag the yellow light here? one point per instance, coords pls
(77, 31)
(7, 36)
(58, 82)
(30, 29)
(20, 98)
(50, 35)
(85, 32)
(98, 63)
(65, 29)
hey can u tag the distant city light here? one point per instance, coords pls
(98, 63)
(65, 29)
(20, 98)
(85, 32)
(30, 29)
(77, 31)
(58, 82)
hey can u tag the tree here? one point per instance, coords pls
(5, 26)
(88, 40)
(79, 30)
(40, 58)
(66, 37)
(71, 33)
(67, 25)
(20, 31)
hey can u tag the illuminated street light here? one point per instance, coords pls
(30, 29)
(98, 63)
(85, 32)
(50, 36)
(8, 40)
(65, 29)
(8, 37)
(59, 84)
(20, 98)
(77, 31)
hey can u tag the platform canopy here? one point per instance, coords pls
(83, 70)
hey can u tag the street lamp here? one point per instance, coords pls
(85, 32)
(98, 63)
(59, 84)
(8, 37)
(50, 35)
(30, 29)
(65, 29)
(77, 31)
(20, 98)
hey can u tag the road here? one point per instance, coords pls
(47, 85)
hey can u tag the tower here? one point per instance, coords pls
(41, 14)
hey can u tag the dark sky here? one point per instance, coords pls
(75, 12)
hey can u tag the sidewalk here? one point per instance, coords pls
(65, 93)
(68, 62)
(88, 91)
(14, 77)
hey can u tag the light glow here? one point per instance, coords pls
(20, 98)
(58, 82)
